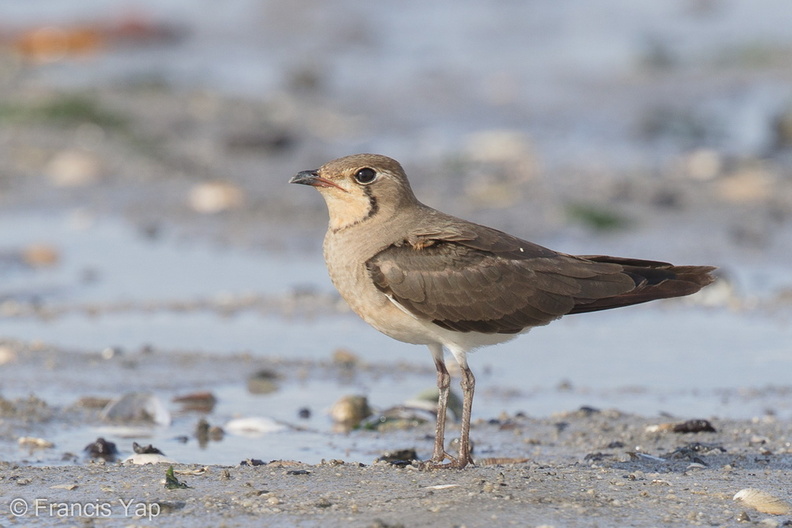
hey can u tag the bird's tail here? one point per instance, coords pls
(653, 280)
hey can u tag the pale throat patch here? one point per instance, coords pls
(347, 210)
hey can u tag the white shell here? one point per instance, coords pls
(253, 426)
(137, 406)
(148, 458)
(763, 501)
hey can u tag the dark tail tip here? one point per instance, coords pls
(653, 280)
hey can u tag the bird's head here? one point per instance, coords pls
(359, 188)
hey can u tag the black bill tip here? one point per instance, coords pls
(307, 177)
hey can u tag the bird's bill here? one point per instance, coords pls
(312, 178)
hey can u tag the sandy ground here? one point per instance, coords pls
(585, 469)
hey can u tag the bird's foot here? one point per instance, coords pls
(440, 462)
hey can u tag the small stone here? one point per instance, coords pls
(101, 448)
(203, 402)
(689, 426)
(67, 487)
(112, 352)
(748, 185)
(40, 256)
(147, 449)
(399, 457)
(499, 146)
(215, 197)
(349, 411)
(7, 355)
(702, 164)
(345, 358)
(73, 168)
(264, 381)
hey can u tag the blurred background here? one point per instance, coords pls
(145, 149)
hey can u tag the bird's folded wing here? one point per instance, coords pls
(491, 283)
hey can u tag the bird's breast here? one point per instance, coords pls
(346, 259)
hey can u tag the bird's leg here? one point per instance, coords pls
(468, 387)
(443, 388)
(439, 454)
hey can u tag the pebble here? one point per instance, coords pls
(689, 426)
(215, 197)
(73, 168)
(197, 401)
(499, 146)
(345, 358)
(349, 411)
(702, 164)
(101, 448)
(40, 255)
(263, 382)
(748, 185)
(7, 355)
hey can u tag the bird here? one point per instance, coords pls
(424, 277)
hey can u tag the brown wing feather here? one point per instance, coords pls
(474, 278)
(654, 280)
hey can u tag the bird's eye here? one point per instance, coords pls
(365, 175)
